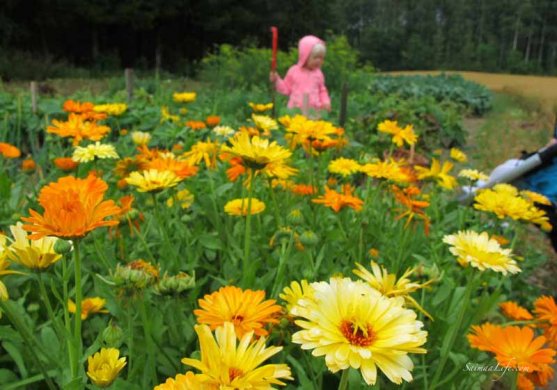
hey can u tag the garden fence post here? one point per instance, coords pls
(34, 96)
(128, 73)
(343, 105)
(305, 105)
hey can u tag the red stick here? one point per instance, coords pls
(274, 31)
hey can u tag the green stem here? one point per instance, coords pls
(142, 239)
(343, 385)
(284, 252)
(452, 333)
(275, 204)
(29, 339)
(48, 305)
(78, 344)
(247, 276)
(67, 322)
(162, 228)
(150, 369)
(130, 338)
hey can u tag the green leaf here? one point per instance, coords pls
(13, 351)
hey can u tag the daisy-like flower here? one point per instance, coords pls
(534, 197)
(247, 310)
(89, 306)
(513, 347)
(439, 173)
(353, 325)
(4, 264)
(473, 174)
(303, 189)
(187, 381)
(184, 199)
(77, 107)
(153, 180)
(65, 163)
(33, 254)
(114, 109)
(293, 293)
(203, 151)
(104, 366)
(514, 311)
(72, 208)
(240, 207)
(264, 123)
(387, 284)
(458, 155)
(305, 131)
(344, 166)
(181, 168)
(224, 131)
(480, 251)
(388, 170)
(141, 137)
(260, 107)
(9, 151)
(545, 309)
(212, 120)
(337, 201)
(78, 128)
(196, 125)
(28, 165)
(412, 207)
(93, 151)
(256, 153)
(184, 97)
(399, 135)
(229, 363)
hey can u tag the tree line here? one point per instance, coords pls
(490, 35)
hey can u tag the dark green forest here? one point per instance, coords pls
(518, 36)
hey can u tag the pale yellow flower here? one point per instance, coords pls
(152, 180)
(223, 131)
(264, 123)
(473, 174)
(141, 137)
(34, 254)
(92, 151)
(183, 197)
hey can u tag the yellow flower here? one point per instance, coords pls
(184, 97)
(439, 173)
(387, 284)
(184, 197)
(260, 107)
(534, 197)
(203, 151)
(33, 254)
(257, 153)
(88, 306)
(473, 174)
(305, 131)
(187, 381)
(152, 180)
(264, 123)
(389, 170)
(226, 363)
(458, 155)
(399, 135)
(355, 326)
(166, 116)
(104, 366)
(92, 151)
(239, 207)
(344, 166)
(293, 293)
(223, 131)
(141, 137)
(115, 109)
(480, 251)
(4, 264)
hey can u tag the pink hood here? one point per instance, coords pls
(305, 46)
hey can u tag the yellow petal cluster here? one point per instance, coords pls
(34, 254)
(438, 172)
(104, 366)
(152, 180)
(114, 109)
(92, 151)
(344, 166)
(239, 207)
(184, 97)
(141, 137)
(399, 135)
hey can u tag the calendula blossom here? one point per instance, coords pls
(480, 251)
(183, 197)
(141, 137)
(9, 151)
(231, 362)
(473, 174)
(224, 131)
(203, 151)
(293, 293)
(264, 123)
(114, 109)
(399, 135)
(239, 207)
(166, 116)
(534, 197)
(93, 151)
(439, 173)
(344, 166)
(33, 254)
(514, 311)
(339, 200)
(153, 180)
(88, 306)
(258, 107)
(187, 381)
(256, 153)
(184, 97)
(389, 170)
(104, 366)
(353, 325)
(78, 128)
(458, 155)
(545, 309)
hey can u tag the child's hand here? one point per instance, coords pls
(273, 76)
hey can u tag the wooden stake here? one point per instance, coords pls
(34, 96)
(128, 74)
(343, 105)
(305, 105)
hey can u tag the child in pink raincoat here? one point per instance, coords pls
(305, 78)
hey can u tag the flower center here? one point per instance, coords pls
(237, 320)
(357, 333)
(234, 373)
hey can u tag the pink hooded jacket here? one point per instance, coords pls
(300, 80)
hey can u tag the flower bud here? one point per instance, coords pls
(309, 238)
(113, 335)
(295, 217)
(63, 246)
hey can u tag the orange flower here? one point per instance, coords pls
(65, 163)
(125, 215)
(236, 169)
(9, 151)
(304, 189)
(78, 129)
(212, 120)
(182, 169)
(88, 306)
(546, 311)
(196, 125)
(513, 347)
(413, 207)
(72, 208)
(145, 267)
(338, 201)
(514, 311)
(77, 107)
(28, 165)
(246, 309)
